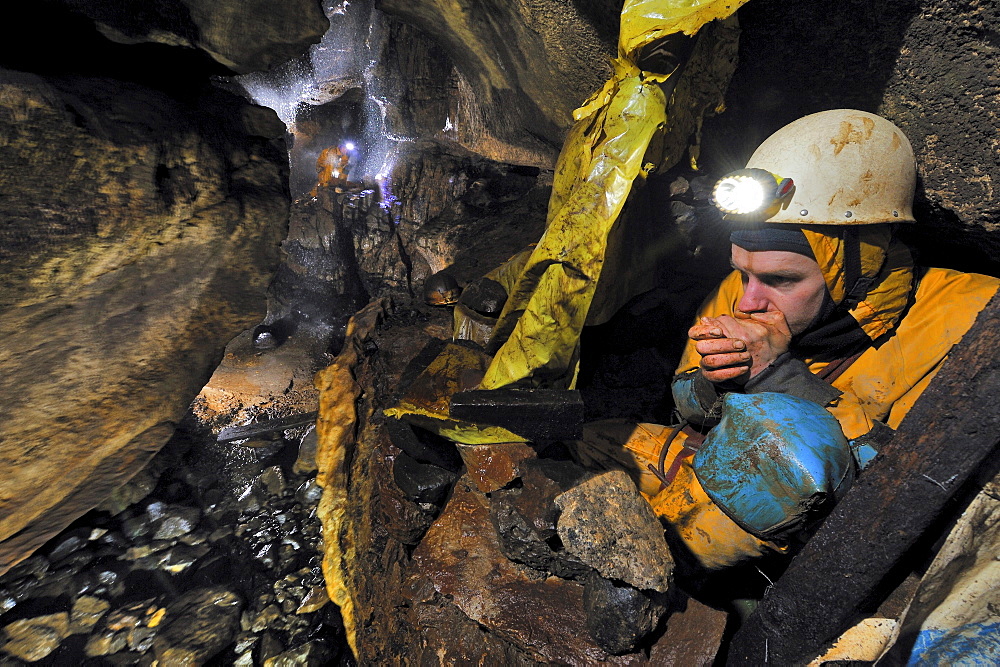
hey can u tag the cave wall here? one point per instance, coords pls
(142, 210)
(930, 66)
(523, 67)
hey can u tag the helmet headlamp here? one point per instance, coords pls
(751, 195)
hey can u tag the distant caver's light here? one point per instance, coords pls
(751, 194)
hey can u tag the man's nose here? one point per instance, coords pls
(754, 299)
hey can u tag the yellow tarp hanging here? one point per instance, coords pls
(621, 133)
(536, 339)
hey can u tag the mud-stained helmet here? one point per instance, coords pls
(838, 167)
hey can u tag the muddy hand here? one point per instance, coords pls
(723, 357)
(766, 335)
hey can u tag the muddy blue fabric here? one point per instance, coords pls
(694, 397)
(774, 463)
(970, 644)
(759, 238)
(866, 447)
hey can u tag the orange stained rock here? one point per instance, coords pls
(335, 428)
(494, 466)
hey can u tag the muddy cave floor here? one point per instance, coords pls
(223, 539)
(210, 554)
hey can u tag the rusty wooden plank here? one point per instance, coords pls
(948, 433)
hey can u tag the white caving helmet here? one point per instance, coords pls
(838, 167)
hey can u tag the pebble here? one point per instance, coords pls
(314, 653)
(199, 625)
(265, 618)
(33, 566)
(244, 660)
(136, 527)
(220, 533)
(679, 186)
(86, 612)
(66, 545)
(98, 645)
(306, 461)
(156, 509)
(195, 538)
(57, 583)
(273, 481)
(245, 641)
(179, 521)
(141, 638)
(269, 647)
(314, 600)
(173, 560)
(31, 639)
(309, 492)
(143, 551)
(166, 544)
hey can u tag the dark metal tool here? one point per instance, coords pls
(535, 414)
(268, 426)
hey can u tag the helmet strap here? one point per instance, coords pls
(856, 284)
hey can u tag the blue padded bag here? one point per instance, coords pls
(772, 461)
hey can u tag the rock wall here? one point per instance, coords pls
(142, 213)
(241, 36)
(928, 65)
(523, 67)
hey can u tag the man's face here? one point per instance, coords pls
(777, 280)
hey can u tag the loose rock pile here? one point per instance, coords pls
(219, 562)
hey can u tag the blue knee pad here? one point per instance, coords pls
(774, 462)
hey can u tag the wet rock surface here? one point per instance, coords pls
(152, 243)
(462, 559)
(627, 544)
(525, 518)
(32, 639)
(484, 575)
(218, 564)
(620, 616)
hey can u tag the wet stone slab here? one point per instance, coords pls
(627, 544)
(543, 616)
(493, 467)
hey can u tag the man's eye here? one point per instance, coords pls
(778, 281)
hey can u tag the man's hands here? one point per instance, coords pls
(738, 348)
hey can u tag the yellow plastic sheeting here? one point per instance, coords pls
(644, 21)
(537, 335)
(469, 325)
(561, 275)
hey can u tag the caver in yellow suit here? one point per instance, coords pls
(773, 459)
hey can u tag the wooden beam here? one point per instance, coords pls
(946, 436)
